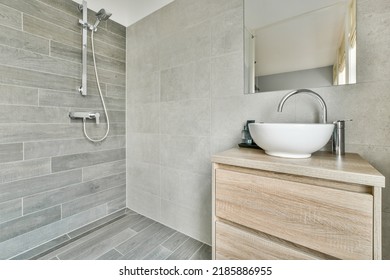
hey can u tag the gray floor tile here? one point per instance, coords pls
(122, 235)
(111, 255)
(159, 253)
(204, 253)
(186, 250)
(175, 241)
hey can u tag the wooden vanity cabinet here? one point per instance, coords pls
(274, 208)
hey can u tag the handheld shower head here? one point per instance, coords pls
(101, 15)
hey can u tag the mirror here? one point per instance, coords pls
(291, 44)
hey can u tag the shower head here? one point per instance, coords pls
(101, 15)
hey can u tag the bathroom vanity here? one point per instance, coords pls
(323, 207)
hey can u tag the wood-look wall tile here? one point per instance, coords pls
(116, 28)
(24, 169)
(26, 187)
(84, 203)
(11, 152)
(30, 222)
(38, 62)
(34, 238)
(72, 146)
(11, 133)
(12, 95)
(115, 205)
(29, 114)
(34, 253)
(66, 194)
(10, 17)
(116, 91)
(39, 10)
(62, 163)
(30, 78)
(10, 210)
(74, 54)
(23, 40)
(103, 170)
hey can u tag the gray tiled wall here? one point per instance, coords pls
(52, 180)
(174, 62)
(194, 68)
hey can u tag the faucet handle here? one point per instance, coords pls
(338, 121)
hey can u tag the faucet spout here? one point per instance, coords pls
(309, 92)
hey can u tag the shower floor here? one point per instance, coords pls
(126, 235)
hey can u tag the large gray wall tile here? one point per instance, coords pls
(144, 202)
(186, 46)
(11, 152)
(150, 120)
(227, 32)
(186, 188)
(144, 176)
(30, 222)
(224, 68)
(188, 81)
(187, 153)
(62, 163)
(184, 219)
(189, 117)
(144, 147)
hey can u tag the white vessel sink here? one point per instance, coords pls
(291, 140)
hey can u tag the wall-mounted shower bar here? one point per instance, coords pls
(84, 23)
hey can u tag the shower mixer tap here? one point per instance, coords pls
(85, 115)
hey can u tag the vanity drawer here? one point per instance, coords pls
(237, 243)
(334, 222)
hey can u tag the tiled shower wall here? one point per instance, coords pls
(186, 102)
(52, 180)
(177, 59)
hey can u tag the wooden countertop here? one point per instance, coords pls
(350, 168)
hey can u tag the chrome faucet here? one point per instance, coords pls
(309, 92)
